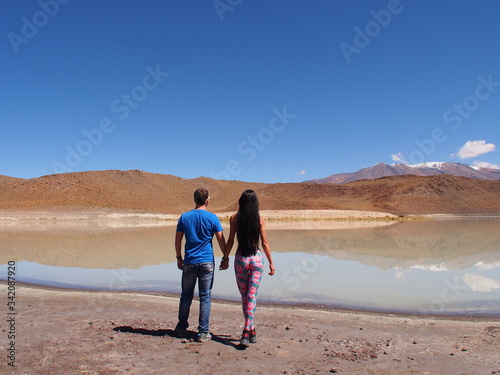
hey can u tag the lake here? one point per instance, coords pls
(445, 266)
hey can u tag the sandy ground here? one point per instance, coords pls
(318, 214)
(64, 213)
(79, 213)
(82, 332)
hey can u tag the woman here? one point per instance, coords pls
(249, 228)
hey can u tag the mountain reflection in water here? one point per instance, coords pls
(430, 266)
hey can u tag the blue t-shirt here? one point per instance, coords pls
(199, 227)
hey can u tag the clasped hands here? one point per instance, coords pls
(224, 264)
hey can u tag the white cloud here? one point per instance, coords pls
(486, 266)
(399, 157)
(483, 164)
(474, 148)
(302, 172)
(479, 283)
(401, 275)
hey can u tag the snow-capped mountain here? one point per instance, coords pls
(423, 169)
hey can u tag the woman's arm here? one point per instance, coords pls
(224, 264)
(265, 246)
(232, 232)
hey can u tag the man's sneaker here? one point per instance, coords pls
(244, 341)
(252, 336)
(204, 337)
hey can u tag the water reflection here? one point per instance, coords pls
(446, 266)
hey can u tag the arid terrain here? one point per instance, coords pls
(103, 332)
(85, 332)
(149, 192)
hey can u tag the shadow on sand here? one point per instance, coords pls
(191, 335)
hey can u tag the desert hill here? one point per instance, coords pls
(150, 192)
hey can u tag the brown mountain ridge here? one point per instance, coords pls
(159, 193)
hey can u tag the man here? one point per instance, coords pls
(198, 226)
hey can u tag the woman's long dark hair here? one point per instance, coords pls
(248, 223)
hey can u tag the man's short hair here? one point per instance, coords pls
(200, 196)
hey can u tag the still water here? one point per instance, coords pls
(430, 266)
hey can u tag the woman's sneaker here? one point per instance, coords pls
(252, 336)
(245, 339)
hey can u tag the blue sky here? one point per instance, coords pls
(260, 91)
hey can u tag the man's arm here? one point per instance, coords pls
(178, 249)
(222, 244)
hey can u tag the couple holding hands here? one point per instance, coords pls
(199, 226)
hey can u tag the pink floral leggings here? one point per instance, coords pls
(248, 272)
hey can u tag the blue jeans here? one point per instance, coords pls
(204, 273)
